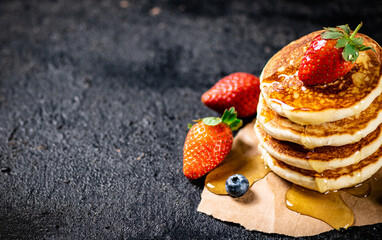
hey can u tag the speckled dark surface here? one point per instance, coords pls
(95, 97)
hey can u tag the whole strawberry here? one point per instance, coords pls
(208, 142)
(239, 90)
(331, 55)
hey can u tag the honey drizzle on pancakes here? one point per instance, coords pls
(308, 106)
(335, 173)
(240, 152)
(320, 158)
(280, 83)
(328, 207)
(287, 90)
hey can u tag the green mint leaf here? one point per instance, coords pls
(358, 41)
(332, 35)
(212, 121)
(345, 28)
(341, 42)
(350, 53)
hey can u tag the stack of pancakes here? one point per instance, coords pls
(322, 137)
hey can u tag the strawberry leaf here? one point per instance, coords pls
(236, 124)
(212, 121)
(351, 44)
(345, 28)
(341, 42)
(358, 41)
(332, 35)
(332, 29)
(230, 118)
(350, 53)
(363, 48)
(227, 114)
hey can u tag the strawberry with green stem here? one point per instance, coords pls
(208, 142)
(331, 55)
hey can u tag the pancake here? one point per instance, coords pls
(307, 105)
(337, 133)
(330, 179)
(322, 158)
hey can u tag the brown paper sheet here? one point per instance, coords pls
(263, 207)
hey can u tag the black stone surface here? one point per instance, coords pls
(95, 97)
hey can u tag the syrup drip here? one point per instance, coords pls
(360, 190)
(376, 193)
(252, 167)
(305, 140)
(283, 104)
(328, 207)
(318, 166)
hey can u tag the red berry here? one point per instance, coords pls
(239, 90)
(208, 143)
(323, 62)
(331, 55)
(205, 148)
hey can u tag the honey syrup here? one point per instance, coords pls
(328, 207)
(252, 167)
(360, 190)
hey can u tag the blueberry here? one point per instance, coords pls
(236, 185)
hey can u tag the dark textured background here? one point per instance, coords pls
(95, 97)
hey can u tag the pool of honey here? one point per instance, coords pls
(328, 207)
(360, 190)
(252, 167)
